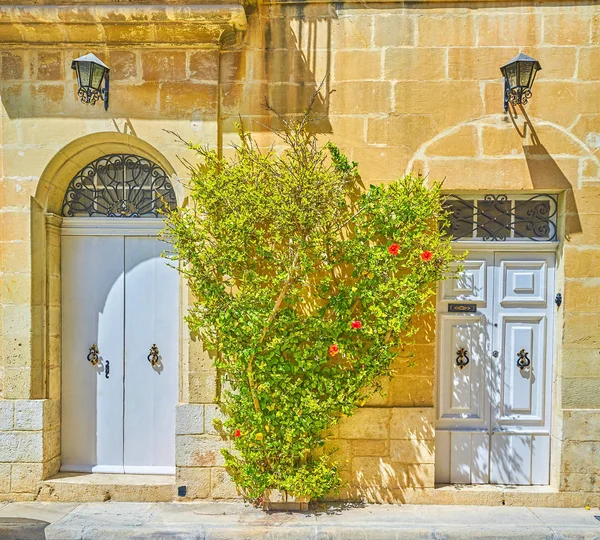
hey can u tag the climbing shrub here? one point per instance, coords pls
(306, 286)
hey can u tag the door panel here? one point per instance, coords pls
(151, 317)
(92, 313)
(462, 395)
(522, 398)
(523, 282)
(471, 284)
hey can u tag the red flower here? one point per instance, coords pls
(426, 256)
(394, 249)
(356, 324)
(333, 350)
(237, 433)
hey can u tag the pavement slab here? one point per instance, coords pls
(232, 521)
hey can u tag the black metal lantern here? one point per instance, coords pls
(91, 72)
(519, 75)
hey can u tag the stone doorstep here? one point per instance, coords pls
(96, 487)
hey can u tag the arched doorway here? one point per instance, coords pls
(120, 320)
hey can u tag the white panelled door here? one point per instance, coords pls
(495, 370)
(119, 414)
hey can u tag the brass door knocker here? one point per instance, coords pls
(154, 355)
(461, 358)
(93, 357)
(523, 360)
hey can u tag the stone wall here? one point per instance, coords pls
(402, 87)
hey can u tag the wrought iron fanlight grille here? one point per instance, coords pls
(119, 185)
(497, 218)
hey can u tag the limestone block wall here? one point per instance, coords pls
(402, 87)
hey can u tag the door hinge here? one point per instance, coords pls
(558, 300)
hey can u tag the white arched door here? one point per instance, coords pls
(120, 321)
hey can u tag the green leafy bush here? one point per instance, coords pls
(305, 288)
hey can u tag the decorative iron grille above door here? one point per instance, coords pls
(497, 218)
(119, 185)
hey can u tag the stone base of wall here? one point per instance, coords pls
(29, 446)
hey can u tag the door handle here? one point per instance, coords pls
(495, 354)
(154, 355)
(92, 356)
(523, 360)
(461, 358)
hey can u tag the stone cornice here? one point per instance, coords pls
(111, 24)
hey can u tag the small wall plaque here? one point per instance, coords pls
(462, 308)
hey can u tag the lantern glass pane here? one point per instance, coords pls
(83, 72)
(511, 75)
(97, 74)
(525, 74)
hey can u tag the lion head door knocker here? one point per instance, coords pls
(154, 356)
(523, 360)
(461, 358)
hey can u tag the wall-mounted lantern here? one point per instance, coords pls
(91, 72)
(519, 75)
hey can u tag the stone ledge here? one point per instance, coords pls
(121, 25)
(94, 487)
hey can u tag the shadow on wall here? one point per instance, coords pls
(283, 60)
(545, 172)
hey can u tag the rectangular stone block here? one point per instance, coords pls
(377, 448)
(221, 485)
(581, 393)
(196, 480)
(124, 65)
(164, 65)
(7, 412)
(506, 29)
(25, 477)
(29, 415)
(568, 27)
(581, 363)
(179, 100)
(412, 451)
(411, 391)
(189, 419)
(356, 65)
(450, 28)
(581, 457)
(442, 100)
(415, 64)
(204, 65)
(203, 386)
(383, 473)
(12, 65)
(412, 423)
(352, 32)
(362, 98)
(199, 451)
(366, 423)
(4, 478)
(581, 425)
(581, 330)
(211, 413)
(394, 30)
(582, 295)
(21, 447)
(49, 66)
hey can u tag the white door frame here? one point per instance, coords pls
(516, 247)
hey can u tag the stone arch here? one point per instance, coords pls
(79, 153)
(472, 155)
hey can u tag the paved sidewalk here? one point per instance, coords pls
(208, 520)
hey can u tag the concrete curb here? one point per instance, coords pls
(226, 521)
